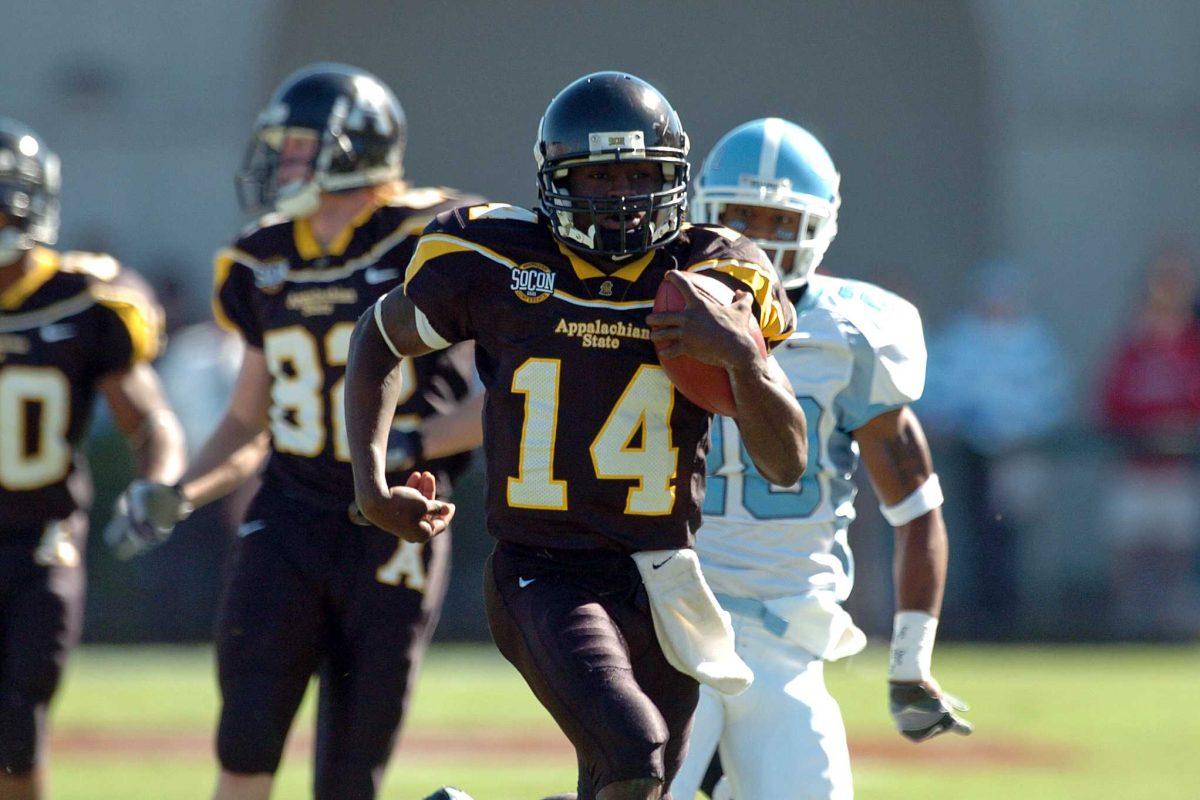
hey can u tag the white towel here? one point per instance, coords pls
(694, 631)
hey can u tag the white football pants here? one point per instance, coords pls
(781, 739)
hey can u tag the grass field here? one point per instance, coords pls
(1051, 723)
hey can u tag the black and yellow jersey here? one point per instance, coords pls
(67, 322)
(588, 445)
(298, 303)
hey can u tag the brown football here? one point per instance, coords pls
(705, 385)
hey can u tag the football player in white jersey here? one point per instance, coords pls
(778, 557)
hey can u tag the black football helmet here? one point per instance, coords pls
(359, 127)
(611, 116)
(29, 184)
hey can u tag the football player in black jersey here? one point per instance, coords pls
(72, 325)
(310, 591)
(593, 459)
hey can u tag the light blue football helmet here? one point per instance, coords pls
(776, 164)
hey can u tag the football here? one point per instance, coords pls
(706, 385)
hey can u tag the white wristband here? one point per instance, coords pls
(383, 331)
(913, 633)
(926, 498)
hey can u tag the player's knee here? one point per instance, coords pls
(249, 742)
(348, 779)
(637, 789)
(20, 734)
(32, 681)
(637, 756)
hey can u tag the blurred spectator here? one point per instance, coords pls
(998, 381)
(1151, 399)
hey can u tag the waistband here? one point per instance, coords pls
(755, 609)
(569, 559)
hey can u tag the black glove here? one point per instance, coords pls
(145, 516)
(921, 713)
(405, 449)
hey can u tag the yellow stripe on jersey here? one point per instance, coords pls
(222, 264)
(306, 242)
(436, 245)
(584, 270)
(45, 264)
(762, 286)
(142, 319)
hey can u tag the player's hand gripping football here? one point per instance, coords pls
(145, 515)
(411, 512)
(922, 710)
(705, 329)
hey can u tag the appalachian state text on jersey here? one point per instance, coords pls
(588, 444)
(298, 304)
(69, 321)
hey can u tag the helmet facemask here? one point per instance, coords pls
(586, 222)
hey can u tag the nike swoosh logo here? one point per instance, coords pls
(663, 563)
(254, 526)
(57, 332)
(523, 582)
(374, 275)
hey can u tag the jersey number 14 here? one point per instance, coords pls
(644, 408)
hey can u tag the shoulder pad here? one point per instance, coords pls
(265, 221)
(716, 241)
(264, 228)
(701, 230)
(876, 313)
(95, 265)
(421, 197)
(883, 329)
(270, 233)
(501, 211)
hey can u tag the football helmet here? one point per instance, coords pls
(775, 164)
(29, 184)
(611, 116)
(356, 122)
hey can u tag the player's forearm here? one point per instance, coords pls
(456, 432)
(232, 454)
(158, 448)
(372, 388)
(919, 565)
(227, 475)
(770, 421)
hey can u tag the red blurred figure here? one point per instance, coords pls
(1151, 398)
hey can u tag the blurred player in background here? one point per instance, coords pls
(311, 591)
(777, 555)
(71, 325)
(592, 456)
